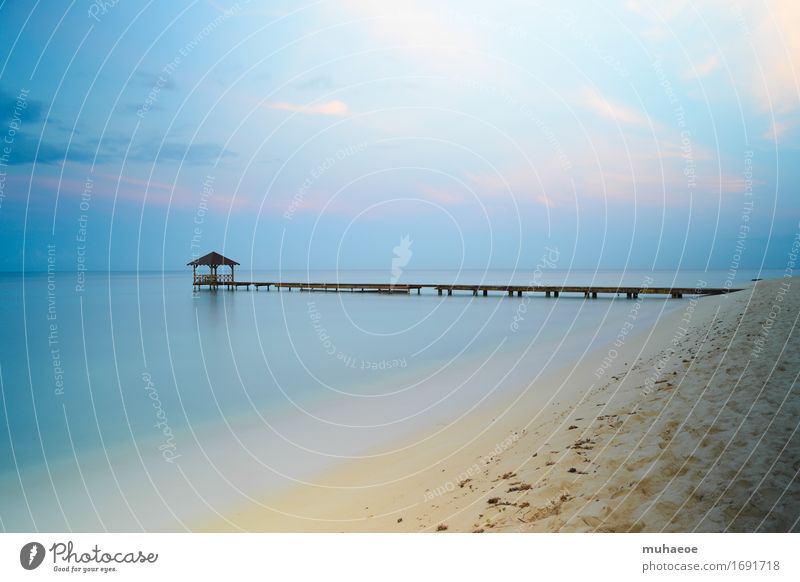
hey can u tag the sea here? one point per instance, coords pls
(131, 402)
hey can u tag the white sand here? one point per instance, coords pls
(692, 428)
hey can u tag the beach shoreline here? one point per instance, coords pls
(621, 444)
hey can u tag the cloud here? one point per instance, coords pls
(193, 154)
(776, 130)
(546, 184)
(131, 188)
(23, 107)
(616, 112)
(663, 12)
(150, 80)
(634, 174)
(774, 70)
(432, 37)
(756, 42)
(414, 24)
(336, 108)
(315, 83)
(26, 150)
(442, 196)
(134, 108)
(703, 68)
(648, 184)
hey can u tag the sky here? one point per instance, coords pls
(293, 135)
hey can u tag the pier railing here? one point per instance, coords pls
(213, 279)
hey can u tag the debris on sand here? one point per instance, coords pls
(552, 508)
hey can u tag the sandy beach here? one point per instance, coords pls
(690, 425)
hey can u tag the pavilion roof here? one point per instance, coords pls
(212, 259)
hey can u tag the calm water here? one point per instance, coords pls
(133, 403)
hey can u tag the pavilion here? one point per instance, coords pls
(212, 260)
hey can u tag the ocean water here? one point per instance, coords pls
(129, 402)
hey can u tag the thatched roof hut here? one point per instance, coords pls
(212, 261)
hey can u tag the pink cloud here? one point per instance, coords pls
(757, 43)
(775, 83)
(443, 197)
(149, 184)
(546, 184)
(614, 111)
(703, 68)
(776, 130)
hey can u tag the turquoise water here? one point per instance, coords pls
(142, 403)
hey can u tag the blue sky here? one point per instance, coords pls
(289, 134)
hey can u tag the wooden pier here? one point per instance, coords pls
(587, 291)
(215, 281)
